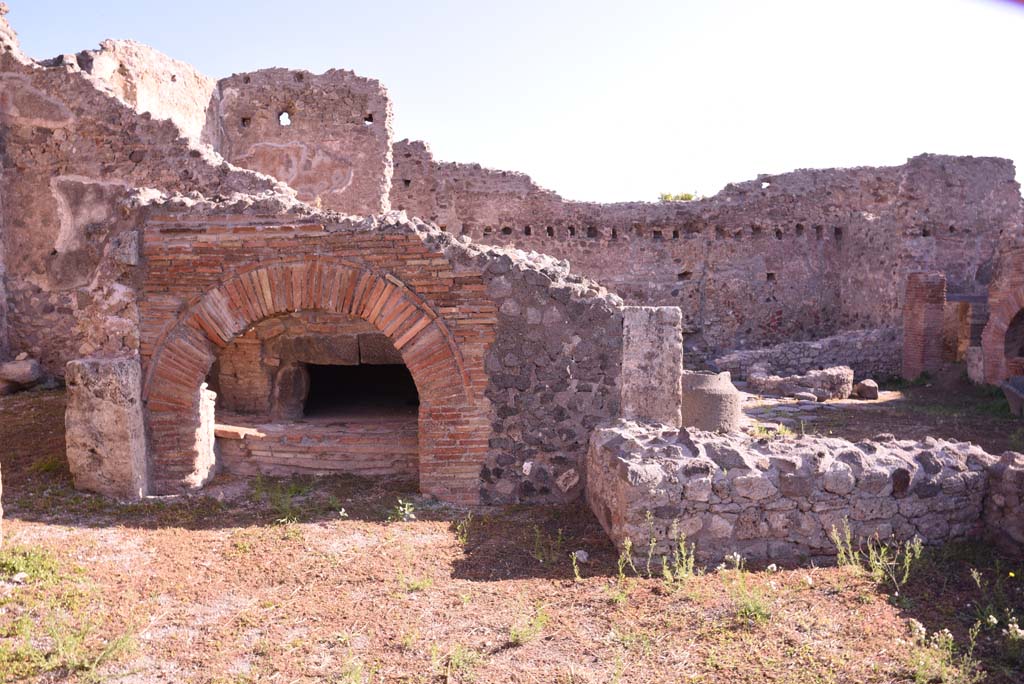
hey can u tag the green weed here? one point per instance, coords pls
(519, 634)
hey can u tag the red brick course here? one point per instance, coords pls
(923, 323)
(1005, 300)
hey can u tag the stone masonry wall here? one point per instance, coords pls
(72, 151)
(777, 500)
(327, 135)
(870, 353)
(146, 80)
(786, 257)
(1004, 507)
(554, 371)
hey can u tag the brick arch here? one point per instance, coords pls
(993, 337)
(452, 417)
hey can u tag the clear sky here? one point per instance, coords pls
(618, 100)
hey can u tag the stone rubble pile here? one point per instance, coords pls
(824, 384)
(869, 352)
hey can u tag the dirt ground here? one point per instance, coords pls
(332, 580)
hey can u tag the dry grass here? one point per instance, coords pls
(276, 585)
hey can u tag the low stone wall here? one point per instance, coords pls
(1004, 506)
(828, 383)
(777, 500)
(871, 353)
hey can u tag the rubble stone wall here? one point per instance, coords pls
(328, 136)
(148, 81)
(554, 371)
(777, 500)
(870, 353)
(72, 151)
(1004, 507)
(791, 257)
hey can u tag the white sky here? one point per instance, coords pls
(609, 101)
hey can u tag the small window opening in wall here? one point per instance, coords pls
(465, 229)
(406, 182)
(592, 232)
(615, 234)
(675, 234)
(778, 233)
(770, 277)
(572, 231)
(507, 230)
(368, 119)
(550, 231)
(684, 275)
(819, 232)
(444, 229)
(799, 230)
(527, 230)
(299, 77)
(837, 232)
(284, 118)
(488, 230)
(756, 231)
(246, 80)
(719, 233)
(926, 232)
(952, 229)
(246, 122)
(657, 235)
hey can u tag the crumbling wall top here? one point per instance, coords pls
(8, 38)
(327, 135)
(149, 81)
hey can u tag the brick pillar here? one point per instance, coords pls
(922, 323)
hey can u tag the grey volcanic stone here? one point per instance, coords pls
(866, 389)
(22, 372)
(777, 500)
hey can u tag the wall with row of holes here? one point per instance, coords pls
(786, 257)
